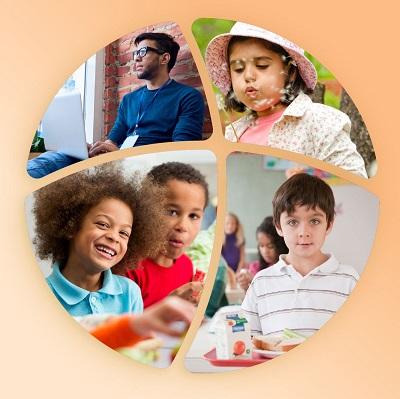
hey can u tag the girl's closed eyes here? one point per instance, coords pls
(238, 66)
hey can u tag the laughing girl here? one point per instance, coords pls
(89, 223)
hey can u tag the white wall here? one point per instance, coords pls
(355, 225)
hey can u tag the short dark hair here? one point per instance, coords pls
(298, 85)
(163, 173)
(60, 208)
(267, 227)
(165, 43)
(303, 189)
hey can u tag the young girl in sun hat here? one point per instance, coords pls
(264, 73)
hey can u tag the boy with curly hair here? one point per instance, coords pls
(171, 270)
(305, 288)
(89, 223)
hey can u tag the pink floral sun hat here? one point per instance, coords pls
(217, 59)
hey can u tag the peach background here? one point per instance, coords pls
(45, 354)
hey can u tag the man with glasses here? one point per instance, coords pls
(162, 110)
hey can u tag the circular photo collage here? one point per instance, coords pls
(237, 198)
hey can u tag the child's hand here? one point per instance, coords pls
(158, 317)
(244, 278)
(189, 291)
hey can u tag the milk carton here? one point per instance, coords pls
(232, 333)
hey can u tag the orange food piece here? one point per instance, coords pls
(116, 332)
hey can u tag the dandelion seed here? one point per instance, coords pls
(262, 102)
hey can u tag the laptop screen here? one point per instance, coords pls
(63, 126)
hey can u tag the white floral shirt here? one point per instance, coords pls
(312, 129)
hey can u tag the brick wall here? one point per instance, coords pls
(120, 77)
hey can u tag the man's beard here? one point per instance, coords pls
(149, 73)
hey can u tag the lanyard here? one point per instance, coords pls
(140, 114)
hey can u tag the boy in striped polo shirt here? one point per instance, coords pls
(306, 287)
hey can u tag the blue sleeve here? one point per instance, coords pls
(190, 122)
(119, 131)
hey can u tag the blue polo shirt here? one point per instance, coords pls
(118, 295)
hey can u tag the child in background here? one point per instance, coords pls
(89, 223)
(233, 247)
(170, 272)
(269, 245)
(264, 73)
(312, 285)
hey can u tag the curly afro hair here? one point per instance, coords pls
(163, 173)
(60, 207)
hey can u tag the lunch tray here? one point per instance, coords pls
(211, 357)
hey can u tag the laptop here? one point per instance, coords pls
(63, 127)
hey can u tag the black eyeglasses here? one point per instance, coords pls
(143, 51)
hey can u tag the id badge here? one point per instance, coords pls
(129, 142)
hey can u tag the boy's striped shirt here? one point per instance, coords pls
(279, 297)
